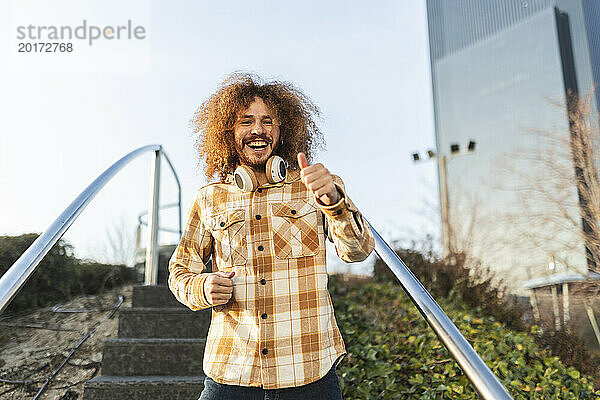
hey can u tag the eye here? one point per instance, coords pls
(246, 122)
(268, 121)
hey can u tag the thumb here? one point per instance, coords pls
(302, 161)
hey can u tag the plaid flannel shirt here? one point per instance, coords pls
(278, 330)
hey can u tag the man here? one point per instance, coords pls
(273, 332)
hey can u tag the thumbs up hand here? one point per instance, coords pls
(318, 180)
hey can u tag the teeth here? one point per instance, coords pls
(258, 144)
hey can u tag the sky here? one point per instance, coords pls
(67, 116)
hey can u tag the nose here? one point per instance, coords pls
(258, 129)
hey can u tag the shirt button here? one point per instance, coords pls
(263, 282)
(293, 212)
(258, 217)
(222, 224)
(338, 212)
(259, 190)
(264, 316)
(260, 248)
(265, 351)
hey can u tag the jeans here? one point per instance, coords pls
(326, 388)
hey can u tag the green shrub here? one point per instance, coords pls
(570, 348)
(477, 288)
(393, 354)
(59, 276)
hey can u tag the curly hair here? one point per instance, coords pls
(214, 122)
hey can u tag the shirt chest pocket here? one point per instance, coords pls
(229, 231)
(294, 229)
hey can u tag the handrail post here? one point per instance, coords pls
(151, 272)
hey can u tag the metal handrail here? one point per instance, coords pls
(16, 276)
(484, 380)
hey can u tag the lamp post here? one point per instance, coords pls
(442, 160)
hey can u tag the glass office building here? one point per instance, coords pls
(500, 69)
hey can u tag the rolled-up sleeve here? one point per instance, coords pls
(347, 229)
(187, 266)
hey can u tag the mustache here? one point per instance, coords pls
(252, 138)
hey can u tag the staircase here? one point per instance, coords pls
(158, 352)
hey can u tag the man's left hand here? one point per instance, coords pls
(318, 180)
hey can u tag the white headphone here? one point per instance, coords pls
(275, 170)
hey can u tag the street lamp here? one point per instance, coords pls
(444, 201)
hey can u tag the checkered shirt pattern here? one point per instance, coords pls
(278, 330)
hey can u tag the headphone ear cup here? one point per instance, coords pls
(275, 169)
(245, 179)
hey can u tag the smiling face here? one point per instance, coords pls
(256, 134)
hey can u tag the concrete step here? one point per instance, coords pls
(154, 322)
(154, 296)
(130, 357)
(143, 388)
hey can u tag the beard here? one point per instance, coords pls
(248, 156)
